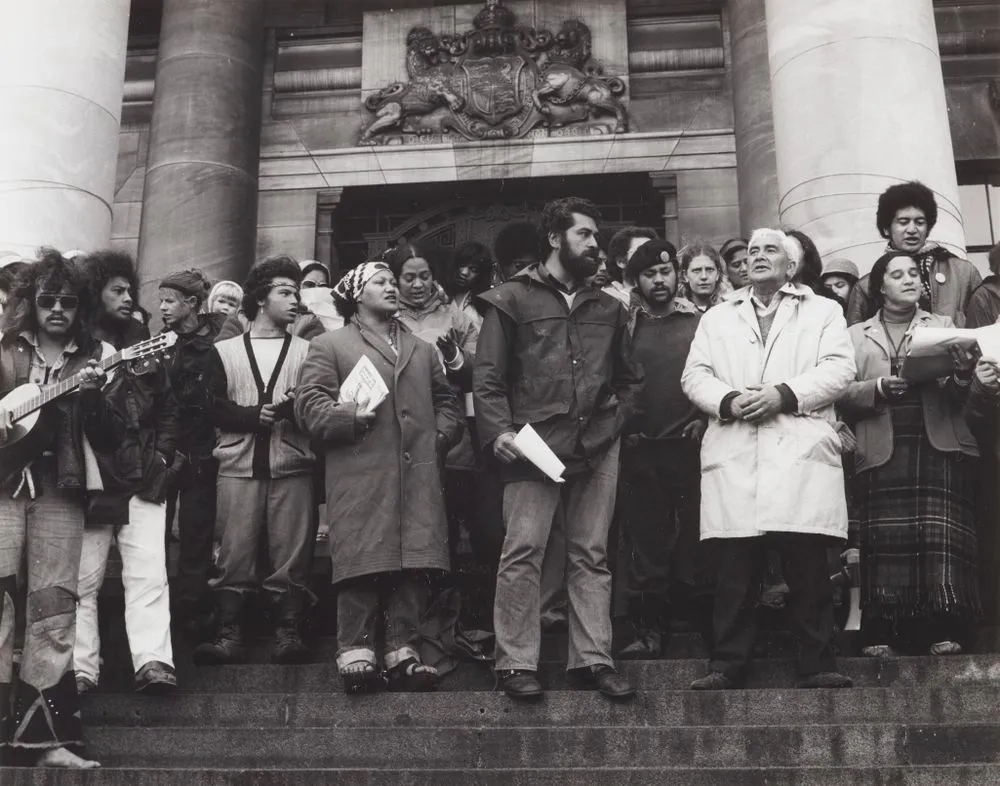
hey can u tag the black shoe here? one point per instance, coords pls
(604, 679)
(519, 684)
(156, 679)
(227, 647)
(288, 645)
(825, 679)
(715, 680)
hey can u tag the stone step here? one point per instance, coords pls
(853, 745)
(929, 705)
(944, 775)
(954, 670)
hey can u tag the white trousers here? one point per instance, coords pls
(141, 544)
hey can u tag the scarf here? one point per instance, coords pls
(350, 287)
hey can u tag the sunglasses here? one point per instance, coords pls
(67, 302)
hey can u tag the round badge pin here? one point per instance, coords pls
(939, 277)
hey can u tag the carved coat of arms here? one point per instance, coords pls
(499, 80)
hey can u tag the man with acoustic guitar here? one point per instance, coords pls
(45, 342)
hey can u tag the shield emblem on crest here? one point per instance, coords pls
(495, 86)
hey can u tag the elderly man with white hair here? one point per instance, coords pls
(767, 365)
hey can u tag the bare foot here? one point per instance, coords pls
(65, 759)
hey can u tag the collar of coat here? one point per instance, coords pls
(873, 329)
(791, 288)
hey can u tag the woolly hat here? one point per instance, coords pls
(191, 283)
(840, 267)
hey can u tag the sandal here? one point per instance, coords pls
(360, 680)
(412, 676)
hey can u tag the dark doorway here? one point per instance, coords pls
(370, 219)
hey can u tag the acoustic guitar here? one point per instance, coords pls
(34, 424)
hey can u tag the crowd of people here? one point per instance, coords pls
(730, 421)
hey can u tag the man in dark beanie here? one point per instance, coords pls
(906, 215)
(661, 472)
(984, 305)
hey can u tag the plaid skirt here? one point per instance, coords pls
(918, 527)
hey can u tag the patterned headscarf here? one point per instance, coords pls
(350, 287)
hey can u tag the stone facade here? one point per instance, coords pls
(703, 151)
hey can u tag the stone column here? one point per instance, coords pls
(200, 201)
(62, 73)
(753, 123)
(859, 105)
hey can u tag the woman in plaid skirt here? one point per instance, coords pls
(914, 492)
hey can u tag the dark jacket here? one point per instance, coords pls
(984, 305)
(982, 416)
(141, 394)
(85, 412)
(191, 378)
(565, 370)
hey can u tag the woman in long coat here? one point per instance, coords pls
(915, 478)
(383, 477)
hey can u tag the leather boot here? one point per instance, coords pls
(227, 647)
(288, 644)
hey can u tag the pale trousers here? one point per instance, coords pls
(529, 509)
(141, 544)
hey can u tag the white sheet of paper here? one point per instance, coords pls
(928, 358)
(364, 386)
(538, 453)
(989, 341)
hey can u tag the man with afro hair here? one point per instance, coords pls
(265, 468)
(906, 215)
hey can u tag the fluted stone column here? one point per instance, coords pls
(200, 200)
(753, 123)
(62, 71)
(859, 105)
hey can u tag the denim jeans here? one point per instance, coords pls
(47, 712)
(399, 597)
(144, 578)
(529, 508)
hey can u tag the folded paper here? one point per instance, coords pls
(538, 453)
(364, 386)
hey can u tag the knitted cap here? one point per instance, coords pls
(840, 267)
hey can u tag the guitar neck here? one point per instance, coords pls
(61, 388)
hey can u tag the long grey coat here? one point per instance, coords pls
(384, 502)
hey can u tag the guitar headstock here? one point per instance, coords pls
(154, 346)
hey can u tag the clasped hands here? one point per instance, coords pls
(756, 404)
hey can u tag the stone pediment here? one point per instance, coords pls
(499, 80)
